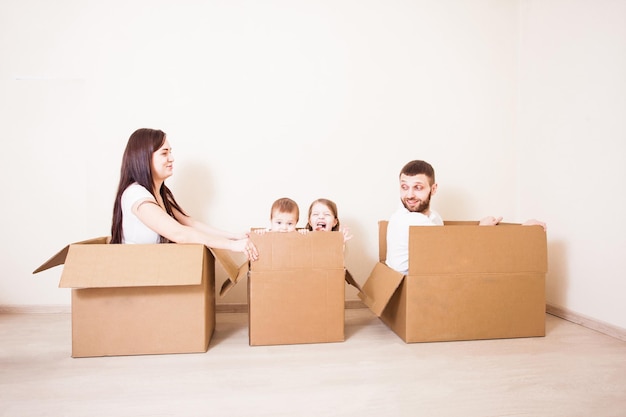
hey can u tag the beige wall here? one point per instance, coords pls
(572, 148)
(308, 99)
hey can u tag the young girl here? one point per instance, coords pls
(145, 210)
(323, 216)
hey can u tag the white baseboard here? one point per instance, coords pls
(66, 309)
(588, 322)
(572, 316)
(36, 309)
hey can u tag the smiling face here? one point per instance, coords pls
(415, 192)
(322, 218)
(162, 163)
(284, 221)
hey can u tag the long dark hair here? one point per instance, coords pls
(137, 168)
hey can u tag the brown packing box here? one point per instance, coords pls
(138, 299)
(465, 282)
(296, 289)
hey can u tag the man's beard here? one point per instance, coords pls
(421, 207)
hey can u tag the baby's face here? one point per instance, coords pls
(284, 222)
(322, 218)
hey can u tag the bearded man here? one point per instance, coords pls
(417, 186)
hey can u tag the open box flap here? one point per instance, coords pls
(59, 258)
(96, 263)
(351, 281)
(469, 248)
(234, 272)
(379, 287)
(224, 258)
(231, 281)
(111, 266)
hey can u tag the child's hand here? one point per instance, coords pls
(490, 221)
(260, 231)
(533, 222)
(346, 233)
(303, 231)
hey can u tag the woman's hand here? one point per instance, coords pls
(247, 247)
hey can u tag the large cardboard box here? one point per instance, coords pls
(296, 289)
(464, 282)
(138, 299)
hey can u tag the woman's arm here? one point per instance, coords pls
(205, 228)
(157, 219)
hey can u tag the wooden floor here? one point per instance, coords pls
(573, 371)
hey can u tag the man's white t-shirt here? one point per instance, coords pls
(398, 235)
(134, 230)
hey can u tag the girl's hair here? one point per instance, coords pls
(137, 168)
(285, 205)
(331, 206)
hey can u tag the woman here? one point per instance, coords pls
(145, 210)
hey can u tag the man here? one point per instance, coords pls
(417, 186)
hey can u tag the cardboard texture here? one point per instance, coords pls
(464, 282)
(138, 299)
(296, 289)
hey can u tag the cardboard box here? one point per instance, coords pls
(464, 282)
(296, 289)
(138, 299)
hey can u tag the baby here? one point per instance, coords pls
(284, 215)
